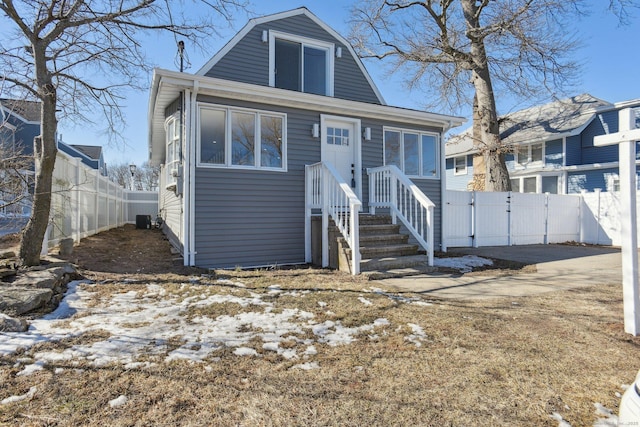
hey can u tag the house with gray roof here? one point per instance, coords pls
(90, 155)
(282, 131)
(551, 147)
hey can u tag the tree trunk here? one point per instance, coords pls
(487, 131)
(45, 151)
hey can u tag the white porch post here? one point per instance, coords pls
(626, 139)
(325, 218)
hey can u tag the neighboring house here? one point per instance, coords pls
(19, 125)
(551, 147)
(90, 155)
(235, 139)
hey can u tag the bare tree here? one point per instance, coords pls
(464, 51)
(75, 55)
(145, 177)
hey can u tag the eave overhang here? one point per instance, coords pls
(167, 85)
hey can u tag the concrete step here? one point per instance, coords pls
(369, 240)
(367, 219)
(378, 229)
(382, 264)
(385, 251)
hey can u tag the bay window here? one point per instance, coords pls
(172, 162)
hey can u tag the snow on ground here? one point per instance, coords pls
(464, 263)
(148, 322)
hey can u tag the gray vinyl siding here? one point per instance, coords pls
(170, 207)
(254, 217)
(248, 60)
(553, 155)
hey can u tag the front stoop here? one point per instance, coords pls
(382, 247)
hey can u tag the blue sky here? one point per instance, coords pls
(610, 58)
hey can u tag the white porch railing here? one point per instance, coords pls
(328, 191)
(390, 188)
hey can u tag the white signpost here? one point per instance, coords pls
(626, 140)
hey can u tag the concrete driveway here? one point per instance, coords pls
(558, 267)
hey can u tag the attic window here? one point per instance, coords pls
(300, 64)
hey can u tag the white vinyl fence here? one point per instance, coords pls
(85, 202)
(474, 219)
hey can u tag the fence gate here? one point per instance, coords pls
(528, 218)
(491, 219)
(457, 224)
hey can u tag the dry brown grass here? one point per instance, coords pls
(500, 362)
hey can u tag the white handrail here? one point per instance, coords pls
(390, 188)
(328, 191)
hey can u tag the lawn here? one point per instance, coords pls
(318, 348)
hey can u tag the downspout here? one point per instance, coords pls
(185, 118)
(191, 175)
(443, 186)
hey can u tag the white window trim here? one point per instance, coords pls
(421, 157)
(559, 176)
(171, 179)
(455, 168)
(227, 138)
(305, 41)
(528, 164)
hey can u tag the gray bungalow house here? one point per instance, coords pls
(283, 134)
(552, 147)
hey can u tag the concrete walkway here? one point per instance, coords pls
(558, 267)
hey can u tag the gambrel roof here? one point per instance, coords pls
(302, 11)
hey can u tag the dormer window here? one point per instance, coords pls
(300, 64)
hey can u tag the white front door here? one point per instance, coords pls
(341, 147)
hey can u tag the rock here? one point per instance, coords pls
(38, 289)
(10, 324)
(19, 300)
(7, 255)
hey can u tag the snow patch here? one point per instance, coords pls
(27, 395)
(464, 263)
(118, 401)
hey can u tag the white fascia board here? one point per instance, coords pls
(628, 104)
(170, 83)
(282, 15)
(268, 95)
(6, 112)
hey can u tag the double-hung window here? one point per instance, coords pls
(300, 64)
(415, 153)
(460, 165)
(530, 154)
(172, 162)
(235, 137)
